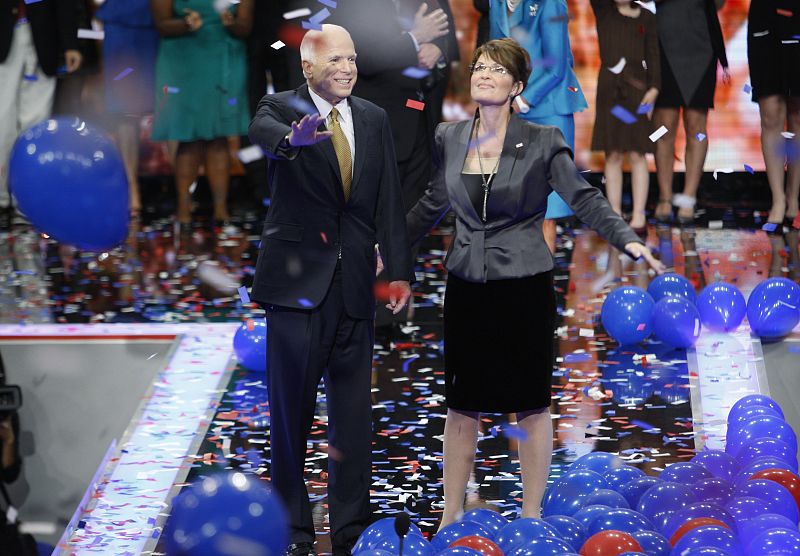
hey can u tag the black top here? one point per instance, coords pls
(474, 185)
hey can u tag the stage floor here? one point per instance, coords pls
(654, 406)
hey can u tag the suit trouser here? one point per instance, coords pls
(26, 97)
(302, 347)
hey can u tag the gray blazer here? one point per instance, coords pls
(535, 160)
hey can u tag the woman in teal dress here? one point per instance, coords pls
(201, 91)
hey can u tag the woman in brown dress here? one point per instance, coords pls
(627, 88)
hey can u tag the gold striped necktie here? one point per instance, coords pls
(342, 149)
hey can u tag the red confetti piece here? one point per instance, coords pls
(784, 13)
(415, 104)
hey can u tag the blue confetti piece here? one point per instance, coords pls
(700, 136)
(312, 25)
(305, 302)
(644, 108)
(30, 77)
(769, 227)
(32, 1)
(301, 105)
(747, 88)
(416, 73)
(516, 433)
(320, 16)
(794, 349)
(232, 102)
(330, 3)
(622, 114)
(123, 74)
(577, 357)
(642, 424)
(172, 90)
(749, 169)
(243, 295)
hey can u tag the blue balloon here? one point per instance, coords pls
(764, 522)
(376, 552)
(665, 498)
(685, 472)
(721, 306)
(542, 546)
(250, 344)
(566, 495)
(570, 529)
(586, 516)
(219, 512)
(447, 535)
(716, 490)
(634, 490)
(490, 519)
(606, 497)
(693, 511)
(718, 462)
(626, 314)
(671, 285)
(743, 509)
(751, 400)
(599, 462)
(68, 179)
(759, 427)
(760, 464)
(652, 543)
(704, 551)
(778, 498)
(753, 411)
(676, 322)
(617, 477)
(776, 541)
(709, 535)
(766, 447)
(773, 308)
(620, 519)
(378, 531)
(523, 530)
(412, 546)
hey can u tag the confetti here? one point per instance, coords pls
(311, 25)
(749, 169)
(330, 3)
(415, 104)
(277, 45)
(250, 154)
(243, 295)
(784, 13)
(701, 136)
(416, 73)
(92, 34)
(644, 108)
(123, 74)
(623, 115)
(320, 16)
(658, 134)
(721, 171)
(294, 14)
(747, 88)
(618, 67)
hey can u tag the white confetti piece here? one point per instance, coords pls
(722, 171)
(91, 34)
(277, 45)
(658, 134)
(618, 67)
(294, 14)
(586, 333)
(649, 6)
(250, 154)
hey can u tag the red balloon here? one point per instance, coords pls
(481, 544)
(610, 543)
(693, 524)
(783, 477)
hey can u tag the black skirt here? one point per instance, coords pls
(498, 343)
(773, 54)
(670, 94)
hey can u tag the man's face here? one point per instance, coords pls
(332, 74)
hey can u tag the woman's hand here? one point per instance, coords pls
(638, 250)
(193, 20)
(726, 76)
(649, 100)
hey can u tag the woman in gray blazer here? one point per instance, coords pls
(495, 171)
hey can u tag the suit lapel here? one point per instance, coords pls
(326, 146)
(361, 132)
(456, 168)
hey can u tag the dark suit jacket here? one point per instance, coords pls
(308, 221)
(535, 160)
(54, 24)
(384, 50)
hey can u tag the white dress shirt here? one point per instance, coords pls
(345, 119)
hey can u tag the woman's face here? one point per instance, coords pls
(491, 84)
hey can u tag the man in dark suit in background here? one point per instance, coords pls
(398, 40)
(335, 194)
(34, 39)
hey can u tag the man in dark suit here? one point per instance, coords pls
(34, 38)
(335, 194)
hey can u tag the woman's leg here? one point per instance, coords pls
(665, 158)
(773, 121)
(128, 140)
(218, 170)
(793, 175)
(460, 443)
(640, 184)
(187, 165)
(613, 174)
(694, 122)
(535, 454)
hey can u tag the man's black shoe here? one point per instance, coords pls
(300, 549)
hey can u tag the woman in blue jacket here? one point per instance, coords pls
(552, 94)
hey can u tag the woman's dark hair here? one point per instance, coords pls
(509, 54)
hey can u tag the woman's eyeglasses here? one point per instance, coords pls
(496, 69)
